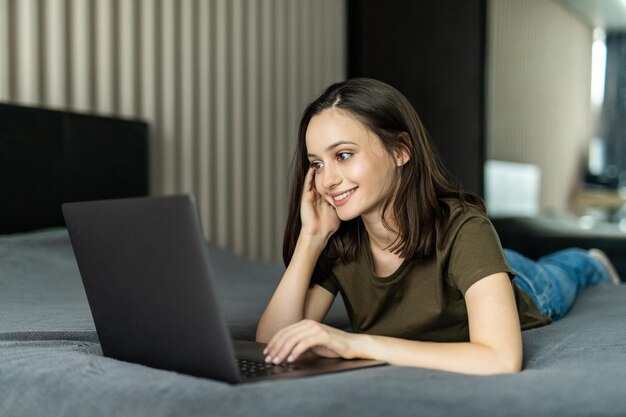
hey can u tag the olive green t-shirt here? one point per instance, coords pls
(424, 298)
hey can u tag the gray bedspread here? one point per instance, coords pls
(51, 363)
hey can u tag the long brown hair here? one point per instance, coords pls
(421, 185)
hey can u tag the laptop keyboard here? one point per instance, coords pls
(251, 369)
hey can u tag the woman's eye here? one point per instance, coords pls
(344, 155)
(316, 165)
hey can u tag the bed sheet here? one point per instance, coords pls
(51, 363)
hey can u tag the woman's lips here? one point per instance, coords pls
(341, 199)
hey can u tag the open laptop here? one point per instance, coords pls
(153, 295)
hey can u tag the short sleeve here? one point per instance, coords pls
(475, 253)
(328, 282)
(324, 277)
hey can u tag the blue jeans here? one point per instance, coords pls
(554, 281)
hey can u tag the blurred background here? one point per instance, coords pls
(524, 99)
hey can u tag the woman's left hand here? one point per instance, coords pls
(292, 341)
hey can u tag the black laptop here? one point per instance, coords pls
(152, 292)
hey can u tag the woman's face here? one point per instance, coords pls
(353, 172)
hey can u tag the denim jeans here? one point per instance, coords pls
(554, 281)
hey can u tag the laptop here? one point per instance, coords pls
(153, 295)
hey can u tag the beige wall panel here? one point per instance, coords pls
(538, 92)
(221, 83)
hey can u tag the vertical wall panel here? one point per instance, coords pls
(126, 49)
(187, 108)
(237, 124)
(147, 54)
(253, 127)
(80, 58)
(314, 45)
(168, 112)
(27, 81)
(267, 105)
(539, 113)
(221, 156)
(222, 84)
(105, 62)
(281, 134)
(55, 50)
(294, 107)
(196, 139)
(206, 111)
(211, 182)
(304, 36)
(336, 13)
(4, 46)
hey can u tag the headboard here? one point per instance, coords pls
(49, 157)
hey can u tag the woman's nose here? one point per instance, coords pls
(330, 177)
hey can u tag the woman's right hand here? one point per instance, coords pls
(319, 217)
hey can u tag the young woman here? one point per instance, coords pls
(420, 267)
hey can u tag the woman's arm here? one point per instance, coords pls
(495, 336)
(495, 344)
(293, 300)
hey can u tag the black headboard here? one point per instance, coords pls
(50, 157)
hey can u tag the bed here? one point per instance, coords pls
(51, 363)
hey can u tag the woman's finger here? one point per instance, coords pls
(309, 184)
(284, 341)
(302, 346)
(276, 342)
(281, 345)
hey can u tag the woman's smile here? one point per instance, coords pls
(339, 199)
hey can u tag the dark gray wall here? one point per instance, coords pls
(433, 51)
